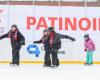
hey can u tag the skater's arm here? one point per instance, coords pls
(38, 42)
(66, 36)
(4, 36)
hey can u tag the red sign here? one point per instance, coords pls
(64, 23)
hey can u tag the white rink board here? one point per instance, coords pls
(73, 51)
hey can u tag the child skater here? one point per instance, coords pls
(89, 49)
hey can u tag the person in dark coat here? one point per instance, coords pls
(45, 41)
(17, 40)
(55, 44)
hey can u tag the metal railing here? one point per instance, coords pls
(57, 0)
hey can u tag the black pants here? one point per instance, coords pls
(55, 60)
(15, 54)
(47, 60)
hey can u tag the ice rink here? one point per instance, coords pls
(37, 72)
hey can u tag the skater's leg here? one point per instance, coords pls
(13, 56)
(87, 57)
(90, 57)
(17, 56)
(47, 60)
(55, 60)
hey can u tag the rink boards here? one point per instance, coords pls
(32, 20)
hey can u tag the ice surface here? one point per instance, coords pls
(37, 72)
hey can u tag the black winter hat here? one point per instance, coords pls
(86, 35)
(51, 29)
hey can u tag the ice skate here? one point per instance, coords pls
(85, 64)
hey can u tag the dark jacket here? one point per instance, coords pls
(57, 40)
(20, 39)
(45, 41)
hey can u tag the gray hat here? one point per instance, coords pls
(14, 25)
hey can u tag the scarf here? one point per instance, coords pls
(51, 39)
(13, 33)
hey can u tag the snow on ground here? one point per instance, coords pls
(37, 72)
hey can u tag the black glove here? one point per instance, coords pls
(85, 50)
(34, 42)
(72, 39)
